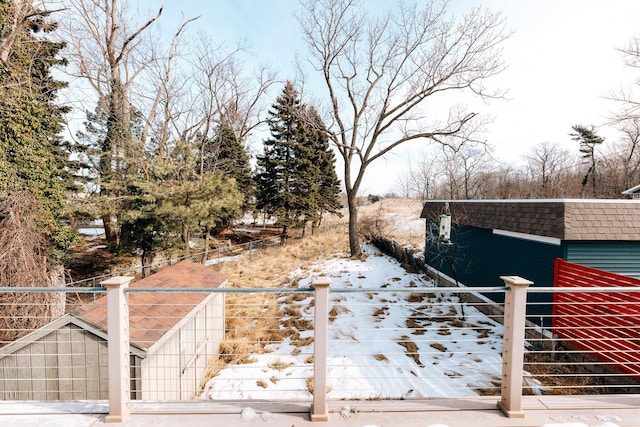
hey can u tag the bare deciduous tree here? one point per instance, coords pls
(630, 151)
(546, 165)
(384, 75)
(19, 13)
(105, 47)
(627, 98)
(23, 263)
(419, 181)
(225, 94)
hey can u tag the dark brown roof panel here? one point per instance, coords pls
(153, 314)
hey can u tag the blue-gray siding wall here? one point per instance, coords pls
(616, 257)
(477, 257)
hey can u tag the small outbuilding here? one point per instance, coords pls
(634, 192)
(493, 238)
(172, 337)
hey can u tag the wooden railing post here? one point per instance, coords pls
(515, 310)
(319, 407)
(118, 348)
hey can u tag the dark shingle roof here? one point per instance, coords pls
(153, 314)
(565, 219)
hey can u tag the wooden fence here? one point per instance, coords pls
(605, 325)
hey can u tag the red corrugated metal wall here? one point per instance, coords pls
(603, 324)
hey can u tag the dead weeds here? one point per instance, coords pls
(254, 320)
(411, 349)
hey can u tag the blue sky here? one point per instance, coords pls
(561, 59)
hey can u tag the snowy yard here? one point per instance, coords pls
(452, 351)
(384, 341)
(366, 358)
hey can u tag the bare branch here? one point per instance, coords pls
(387, 70)
(18, 14)
(136, 34)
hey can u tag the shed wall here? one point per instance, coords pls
(71, 363)
(67, 364)
(478, 257)
(175, 368)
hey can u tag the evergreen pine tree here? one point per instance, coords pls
(278, 177)
(172, 202)
(324, 159)
(35, 170)
(295, 178)
(226, 154)
(588, 140)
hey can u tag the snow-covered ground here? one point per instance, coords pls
(358, 339)
(365, 358)
(458, 351)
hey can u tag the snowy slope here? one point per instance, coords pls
(366, 357)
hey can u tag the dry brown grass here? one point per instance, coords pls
(417, 323)
(271, 267)
(336, 310)
(380, 312)
(443, 330)
(301, 324)
(390, 217)
(561, 376)
(417, 298)
(438, 346)
(310, 386)
(380, 357)
(280, 365)
(254, 320)
(493, 390)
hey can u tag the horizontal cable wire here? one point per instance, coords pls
(417, 337)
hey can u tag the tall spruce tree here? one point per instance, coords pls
(278, 179)
(323, 157)
(294, 175)
(224, 153)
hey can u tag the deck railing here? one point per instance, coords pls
(310, 344)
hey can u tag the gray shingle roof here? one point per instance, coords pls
(565, 219)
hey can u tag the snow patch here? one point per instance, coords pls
(247, 230)
(248, 414)
(608, 418)
(266, 416)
